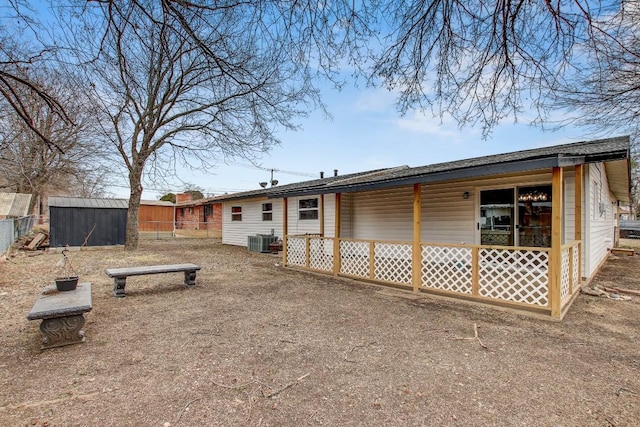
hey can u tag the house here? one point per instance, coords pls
(202, 214)
(521, 230)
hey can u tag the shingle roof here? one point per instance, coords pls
(610, 149)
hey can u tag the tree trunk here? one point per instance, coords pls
(131, 239)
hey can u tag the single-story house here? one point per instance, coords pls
(201, 214)
(521, 230)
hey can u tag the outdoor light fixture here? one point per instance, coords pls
(465, 195)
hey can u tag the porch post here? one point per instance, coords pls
(555, 257)
(336, 237)
(579, 181)
(285, 228)
(416, 253)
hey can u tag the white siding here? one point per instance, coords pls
(446, 216)
(599, 223)
(236, 232)
(569, 206)
(383, 214)
(304, 226)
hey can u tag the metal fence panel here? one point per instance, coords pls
(7, 234)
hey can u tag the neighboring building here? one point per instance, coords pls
(14, 205)
(201, 214)
(156, 216)
(520, 230)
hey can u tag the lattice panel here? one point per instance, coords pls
(354, 258)
(321, 254)
(447, 268)
(564, 274)
(576, 264)
(514, 275)
(393, 262)
(296, 248)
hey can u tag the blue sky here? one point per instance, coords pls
(366, 132)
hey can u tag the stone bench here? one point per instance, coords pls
(120, 275)
(62, 315)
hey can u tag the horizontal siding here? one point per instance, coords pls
(383, 214)
(446, 216)
(303, 226)
(601, 226)
(236, 232)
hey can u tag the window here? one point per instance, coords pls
(308, 209)
(236, 213)
(208, 211)
(267, 211)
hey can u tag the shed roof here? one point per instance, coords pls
(80, 202)
(14, 205)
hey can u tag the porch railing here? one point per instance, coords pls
(517, 276)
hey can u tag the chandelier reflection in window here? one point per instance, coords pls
(533, 196)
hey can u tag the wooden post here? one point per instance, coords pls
(416, 252)
(321, 215)
(307, 251)
(285, 230)
(555, 256)
(336, 238)
(578, 183)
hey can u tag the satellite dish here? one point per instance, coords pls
(274, 182)
(263, 184)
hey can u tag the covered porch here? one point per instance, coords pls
(543, 279)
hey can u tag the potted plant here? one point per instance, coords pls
(68, 279)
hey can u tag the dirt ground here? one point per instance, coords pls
(255, 344)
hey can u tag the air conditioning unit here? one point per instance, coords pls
(260, 242)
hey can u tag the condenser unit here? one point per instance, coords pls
(260, 242)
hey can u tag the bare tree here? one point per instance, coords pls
(21, 55)
(603, 92)
(28, 164)
(188, 84)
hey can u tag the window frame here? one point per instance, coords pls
(267, 211)
(236, 213)
(314, 209)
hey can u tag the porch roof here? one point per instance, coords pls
(614, 152)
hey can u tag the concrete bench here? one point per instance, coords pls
(120, 275)
(62, 315)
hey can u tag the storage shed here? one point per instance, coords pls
(90, 222)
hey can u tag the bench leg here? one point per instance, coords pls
(190, 278)
(118, 286)
(60, 331)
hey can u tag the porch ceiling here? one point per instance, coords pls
(618, 175)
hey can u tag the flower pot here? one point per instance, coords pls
(66, 283)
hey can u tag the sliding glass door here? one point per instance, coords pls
(519, 216)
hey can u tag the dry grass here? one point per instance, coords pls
(256, 344)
